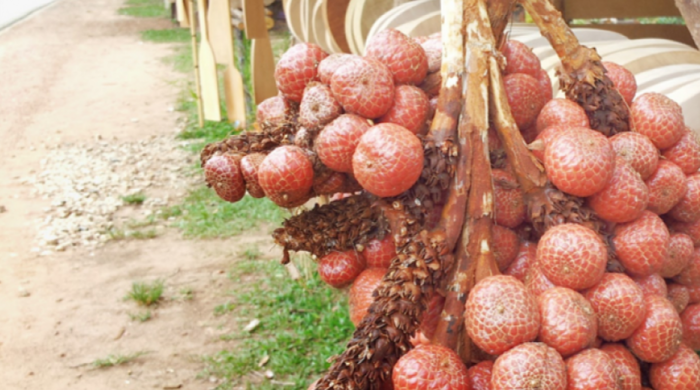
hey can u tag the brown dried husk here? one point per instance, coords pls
(550, 207)
(248, 142)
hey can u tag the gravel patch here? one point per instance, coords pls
(86, 184)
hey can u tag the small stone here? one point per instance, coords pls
(23, 293)
(3, 209)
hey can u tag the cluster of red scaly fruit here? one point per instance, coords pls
(361, 117)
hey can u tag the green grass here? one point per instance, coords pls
(134, 199)
(224, 308)
(116, 360)
(168, 35)
(145, 9)
(145, 294)
(121, 234)
(141, 317)
(204, 215)
(303, 323)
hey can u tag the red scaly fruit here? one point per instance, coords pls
(657, 117)
(679, 296)
(500, 314)
(561, 112)
(535, 280)
(529, 366)
(410, 108)
(690, 275)
(524, 98)
(622, 79)
(692, 229)
(523, 260)
(273, 112)
(286, 175)
(318, 106)
(296, 68)
(688, 208)
(659, 336)
(638, 150)
(680, 372)
(330, 64)
(625, 196)
(223, 174)
(539, 145)
(579, 161)
(592, 369)
(509, 202)
(694, 294)
(568, 322)
(572, 255)
(337, 141)
(680, 250)
(642, 245)
(433, 51)
(626, 364)
(339, 269)
(379, 253)
(690, 318)
(619, 305)
(430, 367)
(364, 87)
(480, 375)
(361, 292)
(333, 184)
(667, 186)
(685, 153)
(652, 284)
(545, 85)
(520, 59)
(505, 246)
(388, 160)
(249, 168)
(405, 58)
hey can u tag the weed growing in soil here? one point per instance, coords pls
(134, 199)
(145, 294)
(224, 308)
(145, 9)
(116, 360)
(168, 35)
(141, 317)
(302, 323)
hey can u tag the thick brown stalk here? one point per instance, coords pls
(582, 77)
(499, 17)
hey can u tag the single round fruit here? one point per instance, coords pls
(388, 160)
(535, 280)
(652, 284)
(529, 366)
(379, 253)
(690, 275)
(402, 55)
(690, 318)
(623, 80)
(568, 322)
(430, 367)
(505, 246)
(223, 174)
(509, 203)
(520, 59)
(592, 369)
(680, 372)
(659, 336)
(579, 161)
(296, 68)
(480, 375)
(273, 112)
(685, 153)
(624, 197)
(680, 251)
(318, 106)
(361, 292)
(249, 168)
(688, 208)
(667, 186)
(337, 141)
(619, 305)
(572, 256)
(539, 145)
(433, 51)
(364, 87)
(561, 112)
(410, 108)
(286, 175)
(678, 295)
(638, 150)
(524, 98)
(642, 245)
(328, 66)
(626, 364)
(545, 85)
(501, 314)
(523, 260)
(657, 117)
(339, 269)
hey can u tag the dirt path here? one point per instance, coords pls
(71, 72)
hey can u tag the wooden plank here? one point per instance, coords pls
(349, 31)
(644, 79)
(423, 26)
(207, 70)
(262, 69)
(670, 85)
(308, 20)
(318, 27)
(292, 10)
(366, 13)
(407, 13)
(688, 97)
(673, 32)
(593, 9)
(639, 60)
(195, 62)
(335, 20)
(181, 13)
(254, 19)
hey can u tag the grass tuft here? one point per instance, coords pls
(116, 360)
(224, 308)
(141, 317)
(145, 294)
(168, 35)
(145, 9)
(134, 199)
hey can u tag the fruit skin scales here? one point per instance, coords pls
(223, 173)
(296, 68)
(339, 269)
(627, 366)
(402, 55)
(619, 305)
(659, 336)
(659, 118)
(528, 364)
(569, 323)
(592, 369)
(286, 175)
(337, 141)
(680, 372)
(364, 87)
(642, 245)
(430, 367)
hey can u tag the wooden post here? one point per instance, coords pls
(195, 60)
(690, 9)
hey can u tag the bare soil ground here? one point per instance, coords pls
(70, 72)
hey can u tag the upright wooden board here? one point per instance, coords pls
(423, 26)
(254, 11)
(335, 22)
(319, 27)
(263, 69)
(207, 70)
(181, 13)
(404, 14)
(349, 30)
(307, 14)
(292, 11)
(366, 12)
